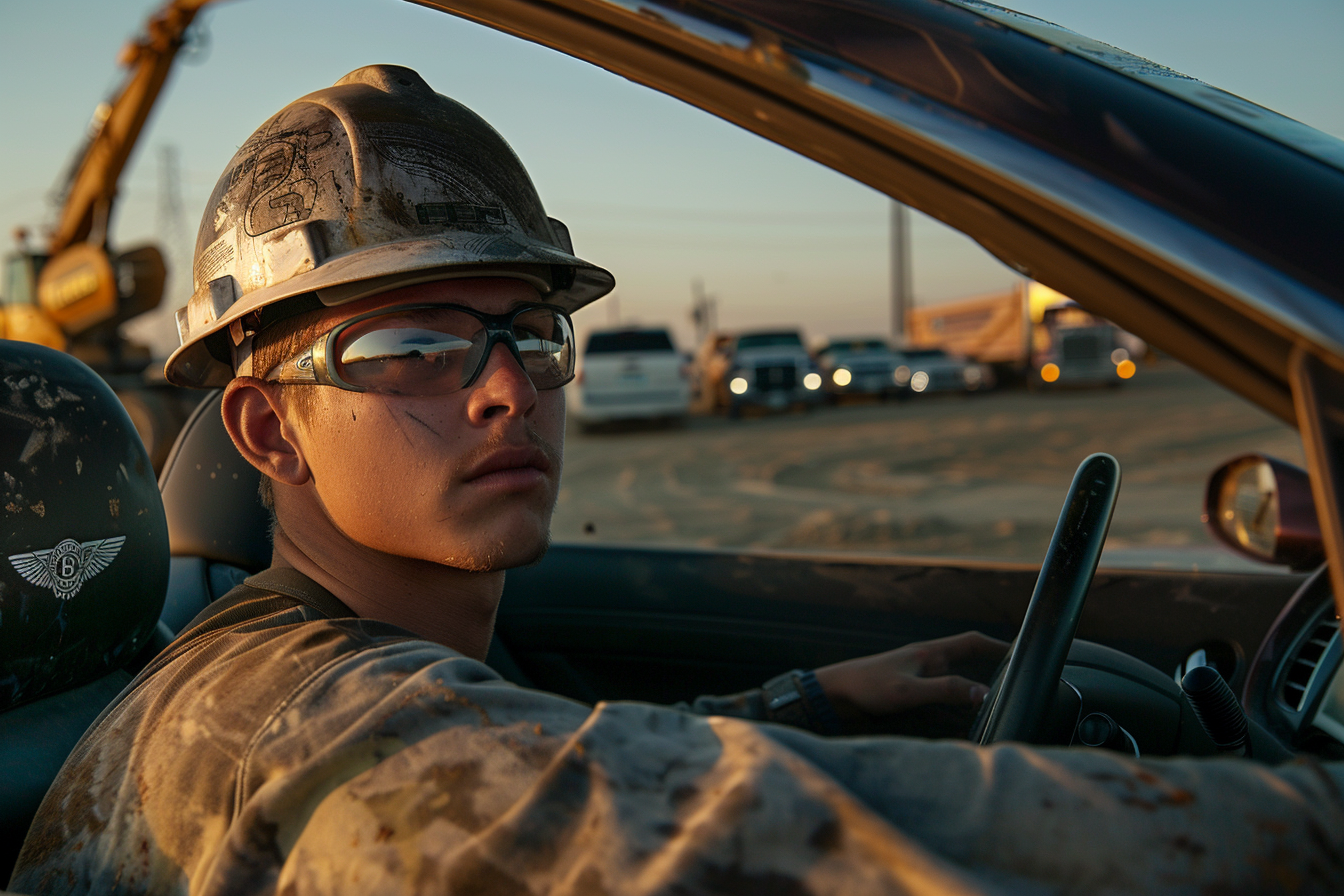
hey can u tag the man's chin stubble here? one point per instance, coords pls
(497, 558)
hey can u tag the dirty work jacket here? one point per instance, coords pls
(288, 751)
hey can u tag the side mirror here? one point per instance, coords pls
(1262, 507)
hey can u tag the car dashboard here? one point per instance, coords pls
(1295, 686)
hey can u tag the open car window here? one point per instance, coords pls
(952, 473)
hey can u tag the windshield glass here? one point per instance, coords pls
(858, 346)
(629, 341)
(769, 340)
(19, 284)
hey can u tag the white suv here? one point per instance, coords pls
(630, 374)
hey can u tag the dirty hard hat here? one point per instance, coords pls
(374, 183)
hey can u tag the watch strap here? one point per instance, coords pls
(796, 698)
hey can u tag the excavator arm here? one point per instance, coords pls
(87, 197)
(72, 294)
(80, 286)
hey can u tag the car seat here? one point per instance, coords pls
(84, 572)
(218, 530)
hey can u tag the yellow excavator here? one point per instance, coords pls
(73, 294)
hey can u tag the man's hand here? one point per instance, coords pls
(911, 676)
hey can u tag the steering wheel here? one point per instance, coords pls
(1017, 705)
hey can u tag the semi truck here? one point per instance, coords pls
(1029, 333)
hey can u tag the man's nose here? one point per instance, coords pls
(503, 387)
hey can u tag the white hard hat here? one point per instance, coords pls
(374, 183)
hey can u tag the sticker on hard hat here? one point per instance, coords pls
(65, 568)
(459, 213)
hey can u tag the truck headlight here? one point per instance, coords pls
(738, 385)
(841, 376)
(813, 381)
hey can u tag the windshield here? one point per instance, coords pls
(769, 340)
(856, 346)
(21, 269)
(629, 341)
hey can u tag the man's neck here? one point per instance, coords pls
(450, 606)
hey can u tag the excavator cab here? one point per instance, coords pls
(20, 316)
(77, 298)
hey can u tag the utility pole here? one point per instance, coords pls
(704, 310)
(901, 275)
(171, 224)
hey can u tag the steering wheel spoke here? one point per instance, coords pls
(1018, 707)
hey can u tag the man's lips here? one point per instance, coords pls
(523, 462)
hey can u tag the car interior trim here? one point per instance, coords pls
(1318, 390)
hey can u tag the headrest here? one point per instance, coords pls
(85, 541)
(210, 495)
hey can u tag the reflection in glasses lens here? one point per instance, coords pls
(440, 350)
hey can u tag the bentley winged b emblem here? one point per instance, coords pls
(66, 567)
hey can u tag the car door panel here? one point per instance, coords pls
(609, 622)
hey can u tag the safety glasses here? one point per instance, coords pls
(433, 349)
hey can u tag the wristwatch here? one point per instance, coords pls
(796, 698)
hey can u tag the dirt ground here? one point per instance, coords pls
(937, 475)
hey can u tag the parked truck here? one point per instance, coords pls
(1029, 333)
(74, 292)
(630, 373)
(764, 369)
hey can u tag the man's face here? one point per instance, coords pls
(468, 479)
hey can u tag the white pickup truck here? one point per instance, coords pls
(630, 374)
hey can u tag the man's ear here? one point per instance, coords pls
(252, 415)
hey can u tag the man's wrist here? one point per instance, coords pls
(796, 698)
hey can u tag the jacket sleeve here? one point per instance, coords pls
(793, 698)
(743, 705)
(402, 767)
(453, 780)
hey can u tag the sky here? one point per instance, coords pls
(658, 192)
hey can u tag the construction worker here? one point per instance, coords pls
(386, 304)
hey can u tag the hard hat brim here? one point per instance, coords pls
(379, 268)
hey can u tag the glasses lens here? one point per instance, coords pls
(546, 344)
(419, 352)
(435, 351)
